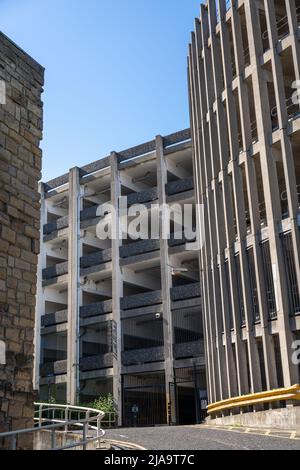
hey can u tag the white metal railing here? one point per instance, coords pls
(65, 418)
(282, 23)
(109, 420)
(292, 109)
(284, 199)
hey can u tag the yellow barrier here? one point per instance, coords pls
(280, 394)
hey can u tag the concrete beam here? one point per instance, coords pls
(141, 280)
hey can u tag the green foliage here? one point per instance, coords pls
(102, 403)
(51, 400)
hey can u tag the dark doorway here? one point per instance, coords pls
(190, 395)
(144, 400)
(186, 405)
(145, 406)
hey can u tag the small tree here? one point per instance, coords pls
(103, 403)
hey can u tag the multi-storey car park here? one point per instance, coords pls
(243, 61)
(121, 316)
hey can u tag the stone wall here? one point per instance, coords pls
(21, 119)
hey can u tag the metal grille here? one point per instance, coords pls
(144, 400)
(220, 318)
(269, 281)
(278, 360)
(228, 295)
(191, 395)
(187, 325)
(297, 338)
(291, 275)
(96, 339)
(240, 290)
(260, 351)
(143, 332)
(253, 285)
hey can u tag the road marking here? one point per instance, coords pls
(128, 445)
(255, 432)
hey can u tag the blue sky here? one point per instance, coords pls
(115, 71)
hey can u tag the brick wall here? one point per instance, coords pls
(21, 119)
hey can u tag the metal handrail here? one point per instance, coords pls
(253, 130)
(281, 23)
(109, 420)
(289, 104)
(283, 198)
(91, 416)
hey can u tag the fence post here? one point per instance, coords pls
(99, 430)
(66, 419)
(40, 415)
(85, 429)
(53, 439)
(14, 442)
(84, 436)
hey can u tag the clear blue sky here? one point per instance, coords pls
(115, 71)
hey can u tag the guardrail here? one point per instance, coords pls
(67, 418)
(271, 396)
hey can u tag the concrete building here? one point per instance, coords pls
(121, 316)
(244, 58)
(21, 120)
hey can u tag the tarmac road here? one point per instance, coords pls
(206, 438)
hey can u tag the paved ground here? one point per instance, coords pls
(204, 438)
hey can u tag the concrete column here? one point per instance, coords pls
(205, 92)
(252, 195)
(199, 184)
(271, 191)
(74, 290)
(285, 140)
(212, 86)
(254, 364)
(40, 302)
(233, 200)
(166, 270)
(221, 152)
(117, 285)
(294, 29)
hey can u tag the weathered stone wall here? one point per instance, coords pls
(20, 170)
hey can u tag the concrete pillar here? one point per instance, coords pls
(273, 207)
(74, 290)
(199, 184)
(117, 285)
(252, 195)
(166, 270)
(233, 201)
(285, 140)
(292, 17)
(40, 303)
